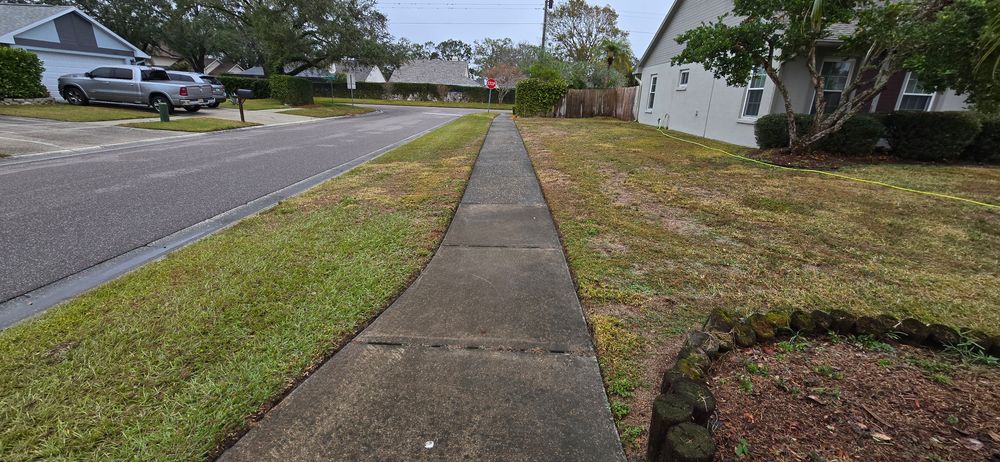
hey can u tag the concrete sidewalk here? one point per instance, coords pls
(485, 357)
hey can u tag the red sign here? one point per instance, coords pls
(491, 84)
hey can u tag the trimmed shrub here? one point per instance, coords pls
(986, 146)
(261, 87)
(772, 130)
(291, 90)
(538, 97)
(931, 136)
(406, 91)
(858, 136)
(20, 74)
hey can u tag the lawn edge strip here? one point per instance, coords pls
(233, 437)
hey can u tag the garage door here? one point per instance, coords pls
(59, 64)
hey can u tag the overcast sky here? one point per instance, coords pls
(521, 20)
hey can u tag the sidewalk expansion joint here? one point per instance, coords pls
(488, 348)
(477, 246)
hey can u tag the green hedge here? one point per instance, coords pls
(294, 91)
(20, 74)
(260, 86)
(986, 146)
(410, 91)
(538, 97)
(858, 136)
(931, 136)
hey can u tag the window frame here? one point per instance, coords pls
(746, 94)
(903, 94)
(681, 83)
(850, 75)
(654, 80)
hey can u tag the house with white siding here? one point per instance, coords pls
(690, 99)
(65, 39)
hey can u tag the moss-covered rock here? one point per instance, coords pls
(875, 326)
(981, 340)
(823, 321)
(700, 397)
(744, 336)
(724, 340)
(782, 322)
(762, 328)
(842, 322)
(668, 410)
(995, 348)
(721, 320)
(669, 377)
(688, 443)
(912, 331)
(942, 335)
(802, 323)
(700, 341)
(694, 364)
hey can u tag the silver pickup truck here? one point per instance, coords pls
(134, 85)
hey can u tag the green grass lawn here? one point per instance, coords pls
(659, 232)
(256, 104)
(163, 363)
(70, 113)
(193, 124)
(391, 102)
(328, 110)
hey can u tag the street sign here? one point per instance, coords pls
(351, 83)
(491, 84)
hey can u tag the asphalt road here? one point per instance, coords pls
(63, 215)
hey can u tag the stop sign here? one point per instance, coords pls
(491, 84)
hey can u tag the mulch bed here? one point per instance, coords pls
(820, 160)
(838, 400)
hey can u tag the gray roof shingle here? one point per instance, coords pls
(14, 17)
(435, 71)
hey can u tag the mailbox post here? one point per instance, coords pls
(242, 95)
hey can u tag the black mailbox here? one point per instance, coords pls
(244, 93)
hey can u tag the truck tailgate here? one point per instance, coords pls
(199, 91)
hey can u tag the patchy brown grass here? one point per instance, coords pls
(659, 232)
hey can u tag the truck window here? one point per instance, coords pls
(180, 77)
(122, 74)
(103, 73)
(154, 74)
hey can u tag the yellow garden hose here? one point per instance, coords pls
(836, 175)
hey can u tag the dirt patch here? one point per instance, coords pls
(820, 160)
(832, 400)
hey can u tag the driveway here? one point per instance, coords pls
(19, 136)
(61, 215)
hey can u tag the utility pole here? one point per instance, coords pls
(545, 22)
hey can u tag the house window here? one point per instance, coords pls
(835, 75)
(682, 80)
(755, 93)
(915, 97)
(652, 92)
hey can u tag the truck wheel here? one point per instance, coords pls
(192, 108)
(75, 96)
(157, 100)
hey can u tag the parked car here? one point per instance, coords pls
(135, 85)
(218, 89)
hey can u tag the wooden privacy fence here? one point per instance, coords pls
(612, 102)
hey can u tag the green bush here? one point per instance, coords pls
(401, 91)
(291, 90)
(986, 146)
(538, 97)
(20, 74)
(261, 87)
(931, 136)
(858, 136)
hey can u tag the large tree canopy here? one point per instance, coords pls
(768, 34)
(577, 29)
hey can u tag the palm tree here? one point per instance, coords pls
(991, 43)
(618, 55)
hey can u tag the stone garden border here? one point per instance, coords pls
(25, 101)
(678, 430)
